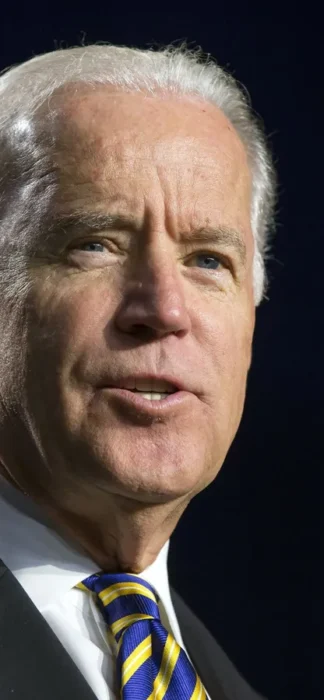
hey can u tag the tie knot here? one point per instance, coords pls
(124, 599)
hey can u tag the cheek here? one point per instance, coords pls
(66, 342)
(238, 349)
(230, 344)
(67, 319)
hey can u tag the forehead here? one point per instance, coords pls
(113, 125)
(109, 142)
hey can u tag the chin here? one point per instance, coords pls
(151, 468)
(142, 480)
(150, 484)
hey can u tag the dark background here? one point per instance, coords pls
(245, 554)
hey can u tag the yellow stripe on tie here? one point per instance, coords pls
(142, 652)
(82, 587)
(117, 589)
(199, 692)
(128, 620)
(170, 656)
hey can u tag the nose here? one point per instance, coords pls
(154, 300)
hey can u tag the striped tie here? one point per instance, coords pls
(150, 663)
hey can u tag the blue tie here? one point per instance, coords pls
(150, 663)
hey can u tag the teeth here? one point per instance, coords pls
(152, 395)
(149, 386)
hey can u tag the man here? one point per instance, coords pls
(137, 195)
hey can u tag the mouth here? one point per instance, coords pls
(152, 394)
(149, 403)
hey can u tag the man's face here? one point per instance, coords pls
(145, 296)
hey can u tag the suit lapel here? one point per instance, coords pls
(218, 674)
(33, 663)
(201, 647)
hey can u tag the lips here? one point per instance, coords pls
(133, 404)
(148, 383)
(152, 391)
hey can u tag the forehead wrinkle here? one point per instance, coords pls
(90, 136)
(100, 158)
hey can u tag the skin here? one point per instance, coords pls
(137, 301)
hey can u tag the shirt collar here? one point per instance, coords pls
(45, 564)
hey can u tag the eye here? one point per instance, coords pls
(207, 260)
(92, 244)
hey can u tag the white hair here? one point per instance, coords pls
(26, 88)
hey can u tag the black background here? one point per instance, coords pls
(245, 554)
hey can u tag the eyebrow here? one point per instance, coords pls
(99, 221)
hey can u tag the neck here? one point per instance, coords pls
(125, 537)
(117, 533)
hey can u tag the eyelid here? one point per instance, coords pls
(102, 240)
(224, 259)
(92, 242)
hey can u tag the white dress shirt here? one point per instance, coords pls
(48, 568)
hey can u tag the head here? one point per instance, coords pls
(137, 199)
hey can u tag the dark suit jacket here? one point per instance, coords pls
(35, 666)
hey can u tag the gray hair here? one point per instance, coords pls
(27, 88)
